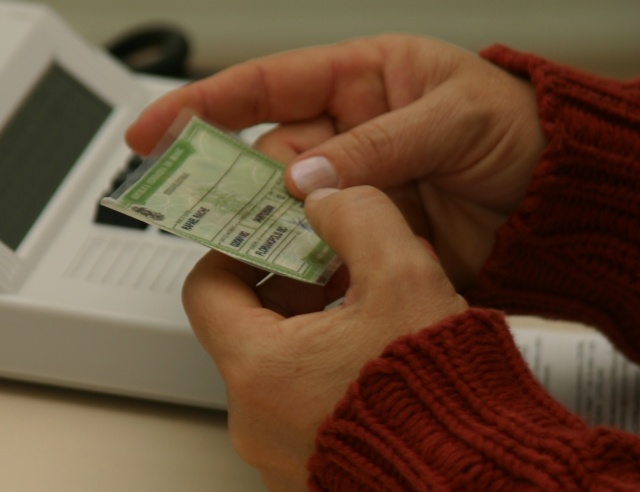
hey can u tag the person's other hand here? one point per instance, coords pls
(452, 138)
(286, 366)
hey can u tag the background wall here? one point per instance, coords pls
(602, 36)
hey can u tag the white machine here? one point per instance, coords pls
(83, 303)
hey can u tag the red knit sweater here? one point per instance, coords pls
(455, 407)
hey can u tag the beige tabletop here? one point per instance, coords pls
(59, 440)
(55, 440)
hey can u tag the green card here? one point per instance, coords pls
(212, 188)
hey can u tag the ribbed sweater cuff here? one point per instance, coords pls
(573, 249)
(454, 408)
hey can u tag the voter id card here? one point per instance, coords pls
(210, 187)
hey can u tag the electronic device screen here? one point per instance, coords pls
(41, 143)
(87, 300)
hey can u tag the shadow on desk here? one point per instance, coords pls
(65, 440)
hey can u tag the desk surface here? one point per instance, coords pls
(58, 440)
(61, 440)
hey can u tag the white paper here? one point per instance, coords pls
(583, 371)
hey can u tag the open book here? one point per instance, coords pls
(582, 370)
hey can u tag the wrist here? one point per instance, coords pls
(571, 248)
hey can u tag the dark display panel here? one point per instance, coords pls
(40, 145)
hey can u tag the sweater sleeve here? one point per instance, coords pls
(455, 407)
(572, 251)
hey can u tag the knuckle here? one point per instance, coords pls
(371, 143)
(353, 209)
(349, 200)
(413, 268)
(363, 194)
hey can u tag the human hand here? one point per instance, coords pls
(285, 361)
(452, 138)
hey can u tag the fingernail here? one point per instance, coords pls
(312, 173)
(320, 193)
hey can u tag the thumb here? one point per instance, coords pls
(391, 149)
(368, 232)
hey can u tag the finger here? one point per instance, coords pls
(370, 235)
(286, 141)
(435, 134)
(289, 297)
(292, 86)
(218, 295)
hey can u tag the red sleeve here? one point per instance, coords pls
(456, 407)
(573, 249)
